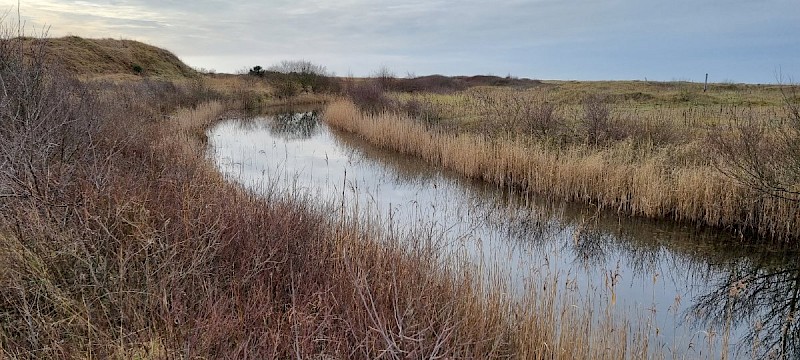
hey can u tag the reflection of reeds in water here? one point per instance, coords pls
(532, 220)
(765, 300)
(419, 296)
(548, 319)
(644, 187)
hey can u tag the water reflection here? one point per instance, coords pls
(763, 299)
(295, 126)
(680, 274)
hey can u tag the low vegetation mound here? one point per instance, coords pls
(449, 84)
(99, 57)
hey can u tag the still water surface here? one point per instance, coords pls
(687, 287)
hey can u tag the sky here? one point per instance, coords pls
(754, 41)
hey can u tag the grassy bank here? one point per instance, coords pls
(92, 58)
(653, 150)
(119, 240)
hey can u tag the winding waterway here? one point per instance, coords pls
(687, 287)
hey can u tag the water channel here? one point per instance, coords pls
(688, 287)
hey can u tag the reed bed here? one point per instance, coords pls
(670, 181)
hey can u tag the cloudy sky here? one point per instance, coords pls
(733, 40)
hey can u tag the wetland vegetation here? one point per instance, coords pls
(119, 237)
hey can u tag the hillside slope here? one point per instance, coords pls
(97, 57)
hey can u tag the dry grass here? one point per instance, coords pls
(108, 57)
(669, 180)
(680, 107)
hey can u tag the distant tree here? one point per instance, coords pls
(298, 67)
(385, 78)
(206, 71)
(257, 71)
(310, 76)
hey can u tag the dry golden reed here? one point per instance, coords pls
(649, 187)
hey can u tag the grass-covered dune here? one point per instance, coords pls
(98, 57)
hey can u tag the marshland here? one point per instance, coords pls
(154, 213)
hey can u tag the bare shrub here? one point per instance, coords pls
(45, 124)
(764, 156)
(596, 120)
(385, 78)
(328, 84)
(286, 90)
(299, 67)
(599, 127)
(513, 113)
(50, 143)
(421, 111)
(308, 76)
(76, 238)
(370, 97)
(656, 133)
(496, 111)
(541, 119)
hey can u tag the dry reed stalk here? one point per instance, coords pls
(647, 187)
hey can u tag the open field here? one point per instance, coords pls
(725, 158)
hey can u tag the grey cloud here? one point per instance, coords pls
(447, 34)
